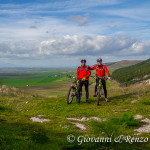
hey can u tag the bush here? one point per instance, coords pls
(114, 126)
(146, 103)
(126, 119)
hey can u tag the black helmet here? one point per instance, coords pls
(83, 60)
(99, 59)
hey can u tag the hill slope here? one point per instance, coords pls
(132, 74)
(122, 64)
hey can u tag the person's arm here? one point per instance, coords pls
(78, 73)
(107, 71)
(92, 68)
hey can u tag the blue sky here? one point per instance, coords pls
(41, 32)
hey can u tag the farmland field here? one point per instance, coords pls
(27, 78)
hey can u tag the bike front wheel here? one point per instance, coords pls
(99, 95)
(71, 94)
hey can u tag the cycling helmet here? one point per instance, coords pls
(83, 60)
(99, 59)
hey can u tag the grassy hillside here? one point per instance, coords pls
(133, 74)
(122, 64)
(18, 132)
(45, 101)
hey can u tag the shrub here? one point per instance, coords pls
(126, 119)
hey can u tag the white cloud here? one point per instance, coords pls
(70, 49)
(75, 46)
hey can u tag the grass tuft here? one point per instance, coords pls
(39, 136)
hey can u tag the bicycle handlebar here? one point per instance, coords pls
(99, 77)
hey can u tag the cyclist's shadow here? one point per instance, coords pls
(121, 98)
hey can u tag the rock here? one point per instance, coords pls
(79, 125)
(134, 101)
(147, 81)
(36, 119)
(75, 119)
(146, 120)
(95, 118)
(138, 117)
(84, 119)
(144, 128)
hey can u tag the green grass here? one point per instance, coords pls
(18, 132)
(13, 82)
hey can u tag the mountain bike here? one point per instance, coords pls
(99, 88)
(73, 91)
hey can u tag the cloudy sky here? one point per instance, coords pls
(58, 33)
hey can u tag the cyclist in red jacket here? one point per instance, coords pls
(83, 74)
(101, 71)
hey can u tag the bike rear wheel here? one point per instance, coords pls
(98, 95)
(71, 94)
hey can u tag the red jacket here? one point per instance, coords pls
(100, 71)
(83, 72)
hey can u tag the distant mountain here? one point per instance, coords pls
(133, 74)
(121, 64)
(109, 63)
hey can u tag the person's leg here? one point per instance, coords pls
(79, 90)
(105, 90)
(86, 83)
(104, 87)
(97, 82)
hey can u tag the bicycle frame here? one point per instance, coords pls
(73, 90)
(75, 83)
(100, 83)
(99, 88)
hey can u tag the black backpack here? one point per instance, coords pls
(102, 67)
(86, 69)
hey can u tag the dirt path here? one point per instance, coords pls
(46, 88)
